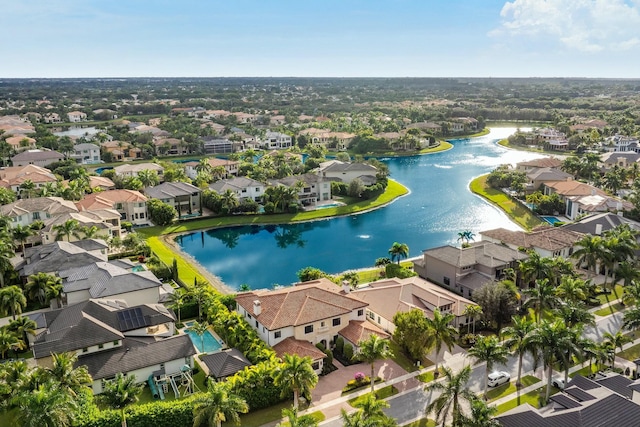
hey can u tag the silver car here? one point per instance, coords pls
(497, 378)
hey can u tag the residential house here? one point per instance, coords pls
(432, 128)
(581, 198)
(277, 141)
(469, 124)
(465, 270)
(113, 280)
(61, 255)
(121, 151)
(14, 177)
(536, 178)
(277, 120)
(245, 188)
(76, 116)
(107, 221)
(245, 117)
(294, 319)
(336, 170)
(622, 143)
(547, 242)
(311, 187)
(112, 338)
(86, 154)
(131, 205)
(36, 157)
(543, 162)
(132, 170)
(596, 224)
(608, 399)
(224, 364)
(52, 118)
(171, 147)
(26, 211)
(621, 159)
(230, 166)
(21, 143)
(184, 197)
(387, 297)
(215, 145)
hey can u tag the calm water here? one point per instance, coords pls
(439, 206)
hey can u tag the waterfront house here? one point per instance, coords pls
(76, 116)
(336, 170)
(86, 154)
(132, 170)
(311, 187)
(581, 198)
(61, 255)
(277, 141)
(547, 242)
(131, 204)
(245, 188)
(181, 195)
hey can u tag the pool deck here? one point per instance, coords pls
(223, 345)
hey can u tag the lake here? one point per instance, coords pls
(438, 207)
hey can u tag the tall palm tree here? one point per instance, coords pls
(69, 378)
(6, 253)
(571, 289)
(442, 332)
(44, 406)
(541, 297)
(488, 349)
(54, 291)
(21, 233)
(371, 349)
(518, 340)
(454, 393)
(630, 320)
(590, 249)
(121, 392)
(616, 341)
(472, 311)
(535, 267)
(296, 374)
(218, 404)
(481, 415)
(398, 251)
(37, 285)
(200, 329)
(293, 419)
(574, 314)
(148, 178)
(22, 326)
(8, 341)
(70, 227)
(177, 300)
(27, 189)
(12, 300)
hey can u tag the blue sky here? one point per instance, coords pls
(334, 38)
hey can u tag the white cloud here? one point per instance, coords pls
(581, 25)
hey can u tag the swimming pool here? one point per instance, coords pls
(211, 343)
(330, 205)
(551, 219)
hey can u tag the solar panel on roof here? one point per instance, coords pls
(565, 401)
(579, 394)
(131, 319)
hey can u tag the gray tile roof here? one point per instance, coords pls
(169, 190)
(483, 253)
(608, 220)
(35, 155)
(225, 363)
(137, 354)
(51, 205)
(234, 184)
(57, 256)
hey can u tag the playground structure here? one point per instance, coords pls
(180, 382)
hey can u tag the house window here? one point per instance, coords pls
(36, 216)
(446, 281)
(322, 324)
(308, 329)
(378, 319)
(100, 345)
(315, 366)
(372, 316)
(116, 342)
(360, 312)
(256, 323)
(277, 334)
(248, 316)
(118, 205)
(336, 321)
(85, 349)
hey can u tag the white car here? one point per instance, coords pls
(558, 383)
(497, 378)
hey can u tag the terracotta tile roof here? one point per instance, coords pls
(574, 188)
(100, 181)
(301, 348)
(548, 238)
(358, 330)
(300, 305)
(107, 199)
(545, 162)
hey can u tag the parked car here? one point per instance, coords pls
(497, 378)
(558, 383)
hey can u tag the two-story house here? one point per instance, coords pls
(76, 116)
(36, 157)
(131, 204)
(464, 270)
(86, 153)
(184, 197)
(132, 170)
(245, 188)
(294, 319)
(61, 255)
(547, 242)
(26, 211)
(277, 141)
(581, 198)
(14, 177)
(230, 167)
(311, 187)
(346, 172)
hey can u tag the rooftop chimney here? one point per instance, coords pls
(598, 229)
(257, 307)
(346, 286)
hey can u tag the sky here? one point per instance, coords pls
(319, 38)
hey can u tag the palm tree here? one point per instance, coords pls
(21, 233)
(574, 314)
(454, 392)
(481, 415)
(6, 253)
(398, 251)
(63, 373)
(466, 236)
(67, 229)
(541, 297)
(22, 326)
(535, 267)
(44, 406)
(616, 341)
(218, 404)
(37, 285)
(489, 350)
(631, 319)
(177, 300)
(200, 329)
(442, 332)
(27, 189)
(12, 300)
(296, 374)
(518, 340)
(54, 291)
(121, 392)
(571, 289)
(91, 232)
(8, 341)
(370, 350)
(589, 252)
(293, 419)
(552, 341)
(472, 311)
(148, 178)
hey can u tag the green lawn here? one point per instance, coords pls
(264, 416)
(506, 389)
(405, 362)
(586, 371)
(608, 297)
(318, 416)
(382, 393)
(427, 377)
(613, 308)
(513, 209)
(532, 398)
(632, 353)
(186, 271)
(425, 422)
